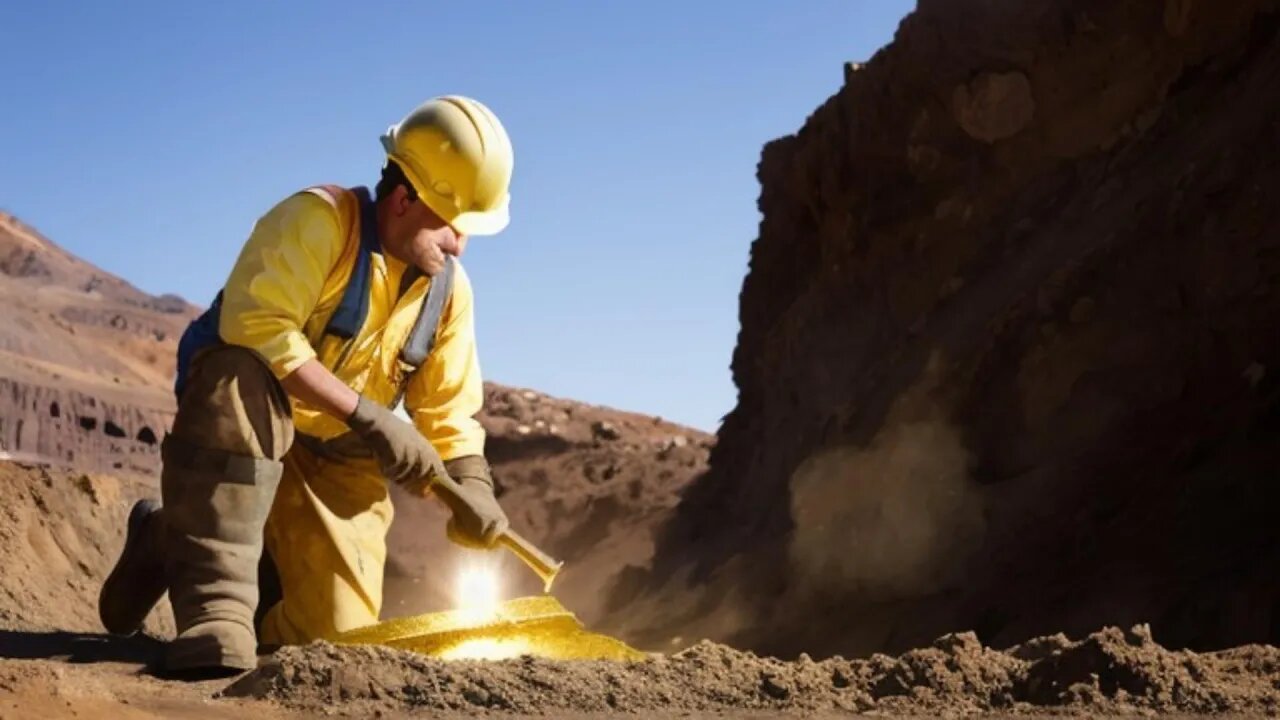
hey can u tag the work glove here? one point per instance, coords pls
(477, 520)
(405, 456)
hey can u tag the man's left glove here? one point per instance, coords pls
(477, 519)
(405, 456)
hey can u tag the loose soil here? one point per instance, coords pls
(61, 533)
(1108, 672)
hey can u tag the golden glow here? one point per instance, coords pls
(478, 593)
(537, 625)
(486, 649)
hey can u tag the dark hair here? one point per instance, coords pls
(393, 175)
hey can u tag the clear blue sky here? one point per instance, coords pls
(147, 137)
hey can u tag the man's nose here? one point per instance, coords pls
(450, 245)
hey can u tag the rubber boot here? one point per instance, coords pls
(215, 507)
(137, 582)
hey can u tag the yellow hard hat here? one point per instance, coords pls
(459, 159)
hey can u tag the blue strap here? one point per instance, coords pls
(348, 318)
(200, 334)
(352, 310)
(423, 336)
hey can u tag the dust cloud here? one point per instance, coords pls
(896, 518)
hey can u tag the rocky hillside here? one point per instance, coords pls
(86, 360)
(1009, 344)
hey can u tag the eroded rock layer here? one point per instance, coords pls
(1009, 345)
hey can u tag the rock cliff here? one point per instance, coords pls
(1009, 345)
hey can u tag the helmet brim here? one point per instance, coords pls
(488, 222)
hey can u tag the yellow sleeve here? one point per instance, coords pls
(277, 280)
(445, 395)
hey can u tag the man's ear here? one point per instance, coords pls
(401, 200)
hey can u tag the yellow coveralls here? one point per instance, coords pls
(326, 532)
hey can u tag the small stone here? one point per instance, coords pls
(529, 395)
(958, 642)
(477, 695)
(1139, 635)
(524, 429)
(518, 405)
(604, 430)
(851, 69)
(773, 687)
(87, 486)
(994, 106)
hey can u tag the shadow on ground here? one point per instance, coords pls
(79, 647)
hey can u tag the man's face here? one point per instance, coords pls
(417, 236)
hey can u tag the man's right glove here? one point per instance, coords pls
(406, 457)
(477, 519)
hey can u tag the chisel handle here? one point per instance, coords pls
(539, 562)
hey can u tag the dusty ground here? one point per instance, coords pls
(1110, 672)
(54, 661)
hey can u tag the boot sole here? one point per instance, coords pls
(205, 656)
(142, 510)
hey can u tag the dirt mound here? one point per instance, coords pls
(61, 532)
(1008, 346)
(1111, 671)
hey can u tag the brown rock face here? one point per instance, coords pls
(994, 106)
(1008, 346)
(94, 429)
(86, 360)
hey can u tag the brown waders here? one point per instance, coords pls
(222, 466)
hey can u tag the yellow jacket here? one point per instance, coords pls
(288, 281)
